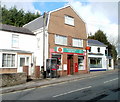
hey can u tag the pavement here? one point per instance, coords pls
(51, 81)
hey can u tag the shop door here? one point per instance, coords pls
(70, 65)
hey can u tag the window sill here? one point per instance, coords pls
(8, 67)
(76, 47)
(61, 45)
(81, 69)
(70, 25)
(68, 46)
(15, 47)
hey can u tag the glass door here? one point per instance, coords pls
(23, 61)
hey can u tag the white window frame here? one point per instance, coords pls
(77, 42)
(69, 20)
(60, 40)
(15, 59)
(15, 41)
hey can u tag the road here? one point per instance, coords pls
(91, 89)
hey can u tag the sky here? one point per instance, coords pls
(102, 14)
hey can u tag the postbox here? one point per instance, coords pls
(76, 67)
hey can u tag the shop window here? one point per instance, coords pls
(15, 41)
(95, 62)
(77, 42)
(80, 63)
(69, 20)
(8, 60)
(61, 40)
(58, 58)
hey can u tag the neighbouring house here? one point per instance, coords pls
(62, 35)
(98, 59)
(18, 47)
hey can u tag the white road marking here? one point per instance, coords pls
(72, 91)
(53, 84)
(111, 80)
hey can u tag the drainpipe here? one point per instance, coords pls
(44, 24)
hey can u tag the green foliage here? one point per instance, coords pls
(101, 36)
(17, 17)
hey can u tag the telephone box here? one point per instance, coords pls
(51, 67)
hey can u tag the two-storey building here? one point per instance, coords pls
(98, 59)
(17, 47)
(62, 33)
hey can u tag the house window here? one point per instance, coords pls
(8, 60)
(77, 42)
(98, 49)
(110, 64)
(95, 62)
(106, 52)
(69, 20)
(15, 40)
(61, 40)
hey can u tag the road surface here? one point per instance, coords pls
(93, 89)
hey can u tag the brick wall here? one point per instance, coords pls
(8, 70)
(57, 25)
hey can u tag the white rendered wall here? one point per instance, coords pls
(26, 42)
(39, 51)
(94, 49)
(102, 51)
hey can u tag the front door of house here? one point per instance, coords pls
(69, 65)
(23, 60)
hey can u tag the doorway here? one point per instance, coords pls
(23, 60)
(70, 65)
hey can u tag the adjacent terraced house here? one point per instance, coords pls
(17, 45)
(98, 58)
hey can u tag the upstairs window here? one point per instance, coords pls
(77, 42)
(61, 40)
(69, 20)
(98, 49)
(106, 52)
(15, 41)
(90, 49)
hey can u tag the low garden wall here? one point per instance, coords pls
(9, 79)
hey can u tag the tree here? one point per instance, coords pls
(101, 36)
(17, 17)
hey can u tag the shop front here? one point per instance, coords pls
(69, 61)
(97, 63)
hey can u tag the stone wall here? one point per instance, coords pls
(9, 79)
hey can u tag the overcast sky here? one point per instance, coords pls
(97, 15)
